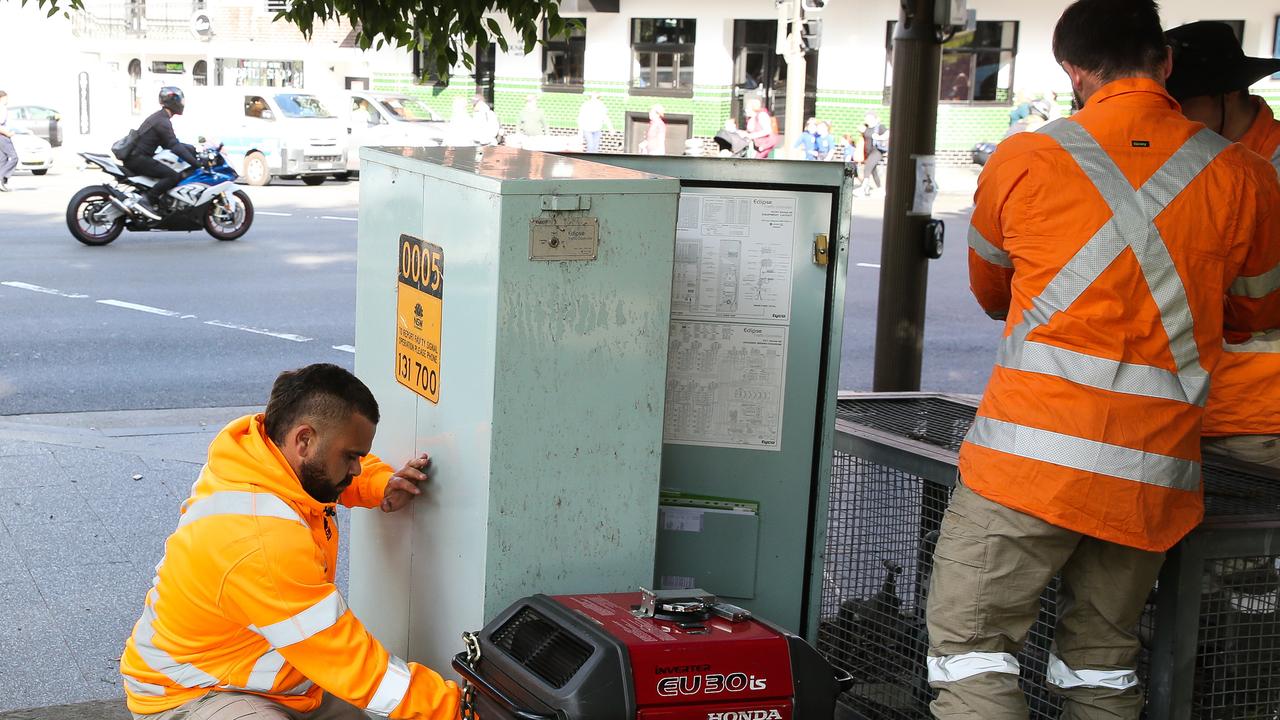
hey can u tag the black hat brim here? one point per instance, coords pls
(1247, 71)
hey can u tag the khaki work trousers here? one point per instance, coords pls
(1259, 449)
(990, 566)
(245, 706)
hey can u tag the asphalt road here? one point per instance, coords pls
(175, 320)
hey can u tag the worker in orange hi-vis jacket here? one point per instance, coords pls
(1211, 79)
(1106, 242)
(243, 619)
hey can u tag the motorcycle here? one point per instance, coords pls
(205, 198)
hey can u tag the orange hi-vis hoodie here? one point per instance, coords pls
(244, 599)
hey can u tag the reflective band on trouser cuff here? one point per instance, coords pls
(137, 687)
(1085, 455)
(986, 250)
(1103, 373)
(183, 674)
(953, 668)
(240, 503)
(1257, 286)
(395, 683)
(315, 619)
(1058, 674)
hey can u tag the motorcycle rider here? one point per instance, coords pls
(157, 132)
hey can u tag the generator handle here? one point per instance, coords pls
(844, 680)
(469, 673)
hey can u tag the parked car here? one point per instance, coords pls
(41, 121)
(384, 119)
(273, 133)
(34, 153)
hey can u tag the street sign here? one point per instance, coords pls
(419, 308)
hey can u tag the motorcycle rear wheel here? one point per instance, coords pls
(229, 223)
(81, 222)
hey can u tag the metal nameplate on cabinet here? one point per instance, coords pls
(564, 238)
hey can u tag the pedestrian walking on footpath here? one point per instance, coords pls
(8, 154)
(655, 138)
(761, 127)
(824, 145)
(875, 145)
(1117, 246)
(1210, 80)
(593, 118)
(808, 141)
(532, 122)
(243, 619)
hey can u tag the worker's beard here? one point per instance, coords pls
(317, 484)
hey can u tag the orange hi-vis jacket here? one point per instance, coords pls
(1110, 240)
(244, 598)
(1244, 398)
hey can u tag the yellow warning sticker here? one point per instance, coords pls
(419, 307)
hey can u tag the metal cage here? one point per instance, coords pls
(1211, 634)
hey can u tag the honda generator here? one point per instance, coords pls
(669, 655)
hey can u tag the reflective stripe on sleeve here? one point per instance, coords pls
(137, 687)
(395, 683)
(1257, 286)
(986, 250)
(240, 503)
(183, 674)
(315, 619)
(1058, 674)
(262, 678)
(1085, 455)
(1264, 343)
(953, 668)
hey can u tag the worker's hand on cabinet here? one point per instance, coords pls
(403, 486)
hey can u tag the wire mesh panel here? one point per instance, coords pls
(1238, 648)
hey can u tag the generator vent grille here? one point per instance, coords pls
(544, 648)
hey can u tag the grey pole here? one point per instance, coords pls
(904, 267)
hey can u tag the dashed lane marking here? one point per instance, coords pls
(40, 289)
(344, 348)
(259, 331)
(274, 214)
(869, 265)
(140, 308)
(335, 217)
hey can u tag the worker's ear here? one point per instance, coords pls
(1166, 68)
(303, 440)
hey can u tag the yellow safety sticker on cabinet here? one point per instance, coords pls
(419, 307)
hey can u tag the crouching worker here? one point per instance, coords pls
(243, 619)
(1107, 243)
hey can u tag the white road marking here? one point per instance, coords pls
(335, 217)
(140, 308)
(344, 348)
(274, 214)
(259, 331)
(39, 289)
(869, 265)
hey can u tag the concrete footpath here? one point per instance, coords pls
(86, 503)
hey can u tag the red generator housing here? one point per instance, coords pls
(644, 656)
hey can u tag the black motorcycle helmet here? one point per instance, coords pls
(172, 99)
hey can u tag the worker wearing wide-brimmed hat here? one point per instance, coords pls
(1211, 78)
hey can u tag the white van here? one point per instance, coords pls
(389, 119)
(276, 133)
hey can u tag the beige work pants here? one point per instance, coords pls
(245, 706)
(990, 566)
(1258, 449)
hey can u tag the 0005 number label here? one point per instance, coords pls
(412, 372)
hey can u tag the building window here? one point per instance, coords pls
(200, 73)
(564, 56)
(425, 72)
(662, 56)
(1275, 46)
(977, 65)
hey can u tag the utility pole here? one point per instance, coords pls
(791, 48)
(907, 242)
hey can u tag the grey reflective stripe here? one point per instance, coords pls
(137, 687)
(1131, 226)
(953, 668)
(299, 689)
(1275, 160)
(1265, 343)
(240, 503)
(262, 678)
(182, 674)
(1257, 286)
(1085, 455)
(1057, 673)
(1093, 371)
(315, 619)
(395, 683)
(986, 250)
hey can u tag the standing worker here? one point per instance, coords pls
(243, 619)
(8, 154)
(1107, 243)
(1211, 79)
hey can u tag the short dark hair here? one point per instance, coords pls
(323, 392)
(3, 94)
(1113, 38)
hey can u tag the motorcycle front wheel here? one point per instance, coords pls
(86, 220)
(229, 216)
